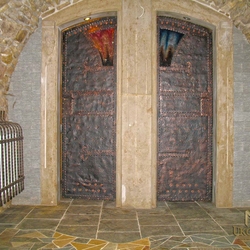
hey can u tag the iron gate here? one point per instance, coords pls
(11, 160)
(89, 109)
(185, 112)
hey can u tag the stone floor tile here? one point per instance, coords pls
(31, 234)
(118, 213)
(60, 206)
(144, 242)
(50, 246)
(10, 218)
(117, 237)
(47, 240)
(97, 242)
(212, 235)
(229, 218)
(87, 202)
(109, 204)
(22, 245)
(5, 226)
(148, 231)
(76, 220)
(119, 225)
(202, 226)
(221, 233)
(155, 211)
(84, 210)
(8, 233)
(43, 232)
(46, 213)
(19, 209)
(46, 232)
(111, 246)
(157, 244)
(38, 245)
(154, 220)
(222, 239)
(38, 224)
(64, 237)
(81, 246)
(78, 231)
(217, 211)
(63, 242)
(175, 206)
(99, 247)
(159, 237)
(129, 246)
(201, 240)
(191, 214)
(171, 244)
(24, 239)
(161, 204)
(81, 240)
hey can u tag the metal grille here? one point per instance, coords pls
(11, 160)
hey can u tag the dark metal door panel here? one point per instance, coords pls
(184, 111)
(88, 110)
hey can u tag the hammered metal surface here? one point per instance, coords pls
(185, 111)
(88, 110)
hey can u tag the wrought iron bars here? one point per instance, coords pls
(11, 160)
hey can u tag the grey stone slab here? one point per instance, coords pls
(82, 202)
(87, 232)
(117, 237)
(118, 213)
(10, 218)
(202, 226)
(149, 231)
(119, 225)
(46, 213)
(38, 224)
(84, 210)
(80, 220)
(162, 210)
(154, 220)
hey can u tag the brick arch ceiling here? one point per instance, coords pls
(19, 19)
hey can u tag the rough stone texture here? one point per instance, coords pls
(19, 19)
(241, 120)
(24, 108)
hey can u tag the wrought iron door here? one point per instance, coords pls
(185, 111)
(89, 109)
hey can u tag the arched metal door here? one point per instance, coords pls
(89, 109)
(185, 97)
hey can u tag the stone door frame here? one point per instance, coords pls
(136, 175)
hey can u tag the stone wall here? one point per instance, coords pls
(24, 108)
(19, 19)
(241, 120)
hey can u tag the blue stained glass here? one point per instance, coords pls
(168, 44)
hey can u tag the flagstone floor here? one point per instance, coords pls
(79, 224)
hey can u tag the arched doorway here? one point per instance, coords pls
(136, 126)
(185, 111)
(89, 109)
